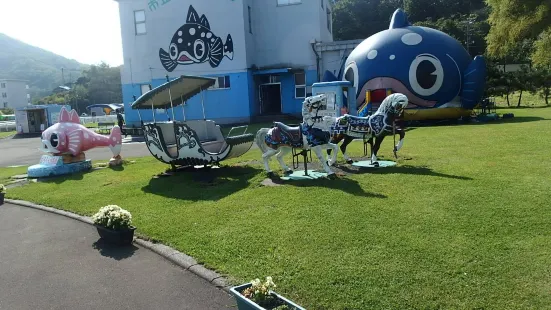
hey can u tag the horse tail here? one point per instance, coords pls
(260, 139)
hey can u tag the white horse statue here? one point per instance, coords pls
(313, 133)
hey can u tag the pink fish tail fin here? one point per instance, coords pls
(115, 141)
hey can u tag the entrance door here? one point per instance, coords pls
(270, 99)
(35, 119)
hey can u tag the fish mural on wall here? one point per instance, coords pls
(195, 43)
(431, 68)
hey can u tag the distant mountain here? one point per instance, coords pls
(41, 68)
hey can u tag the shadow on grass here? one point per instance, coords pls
(113, 251)
(516, 119)
(202, 184)
(346, 185)
(117, 168)
(67, 177)
(409, 170)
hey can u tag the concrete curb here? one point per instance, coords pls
(176, 257)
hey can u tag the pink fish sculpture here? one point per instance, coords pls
(70, 137)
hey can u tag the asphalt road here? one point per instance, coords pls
(25, 151)
(48, 261)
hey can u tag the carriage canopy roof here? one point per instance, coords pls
(181, 89)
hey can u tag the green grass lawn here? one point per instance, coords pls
(6, 173)
(4, 134)
(462, 223)
(528, 100)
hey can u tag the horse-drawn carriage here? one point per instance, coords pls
(192, 142)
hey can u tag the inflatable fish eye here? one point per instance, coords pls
(426, 75)
(351, 75)
(54, 139)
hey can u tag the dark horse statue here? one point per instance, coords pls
(373, 129)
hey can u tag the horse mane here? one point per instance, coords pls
(385, 105)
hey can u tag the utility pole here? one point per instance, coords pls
(469, 40)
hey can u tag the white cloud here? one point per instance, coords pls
(85, 30)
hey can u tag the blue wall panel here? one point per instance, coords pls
(233, 102)
(291, 104)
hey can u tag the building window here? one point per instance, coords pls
(4, 95)
(222, 82)
(5, 104)
(3, 85)
(28, 96)
(144, 88)
(27, 86)
(139, 21)
(300, 85)
(250, 21)
(288, 2)
(322, 4)
(329, 19)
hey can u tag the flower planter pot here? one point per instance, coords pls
(118, 237)
(2, 198)
(244, 303)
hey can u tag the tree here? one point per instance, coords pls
(104, 84)
(473, 28)
(359, 19)
(524, 81)
(514, 21)
(496, 82)
(432, 10)
(542, 83)
(100, 84)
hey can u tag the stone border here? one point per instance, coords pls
(182, 260)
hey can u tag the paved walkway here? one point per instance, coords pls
(48, 261)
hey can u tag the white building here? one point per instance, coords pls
(14, 94)
(264, 54)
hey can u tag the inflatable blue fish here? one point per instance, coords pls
(431, 68)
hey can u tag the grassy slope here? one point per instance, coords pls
(4, 134)
(41, 68)
(463, 224)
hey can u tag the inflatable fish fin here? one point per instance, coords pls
(73, 117)
(399, 20)
(64, 115)
(474, 82)
(75, 140)
(329, 77)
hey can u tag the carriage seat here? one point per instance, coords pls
(294, 133)
(209, 134)
(169, 137)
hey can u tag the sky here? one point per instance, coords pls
(85, 30)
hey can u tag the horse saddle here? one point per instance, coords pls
(358, 124)
(294, 134)
(358, 121)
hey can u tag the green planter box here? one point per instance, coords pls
(244, 303)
